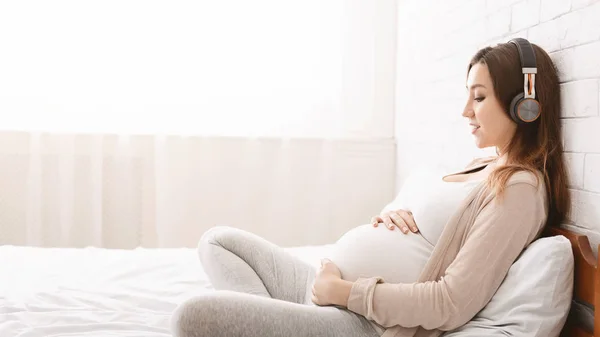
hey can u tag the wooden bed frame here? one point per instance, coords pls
(587, 282)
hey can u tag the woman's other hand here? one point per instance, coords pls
(399, 218)
(324, 289)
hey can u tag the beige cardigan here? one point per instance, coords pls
(477, 247)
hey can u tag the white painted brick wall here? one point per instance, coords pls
(575, 165)
(580, 62)
(579, 98)
(498, 23)
(494, 5)
(525, 14)
(582, 135)
(576, 4)
(592, 173)
(550, 9)
(571, 29)
(435, 42)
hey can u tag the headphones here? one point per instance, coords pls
(524, 108)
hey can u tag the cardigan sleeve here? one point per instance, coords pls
(501, 230)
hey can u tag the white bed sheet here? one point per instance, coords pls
(89, 291)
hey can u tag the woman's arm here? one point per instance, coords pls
(501, 231)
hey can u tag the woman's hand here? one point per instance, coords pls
(329, 288)
(399, 218)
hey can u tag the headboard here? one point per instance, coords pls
(587, 282)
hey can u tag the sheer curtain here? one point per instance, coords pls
(130, 123)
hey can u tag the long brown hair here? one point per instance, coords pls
(536, 146)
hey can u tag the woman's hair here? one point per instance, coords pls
(535, 146)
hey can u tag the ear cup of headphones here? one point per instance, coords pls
(524, 110)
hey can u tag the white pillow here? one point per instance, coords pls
(535, 297)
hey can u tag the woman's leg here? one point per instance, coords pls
(241, 261)
(232, 314)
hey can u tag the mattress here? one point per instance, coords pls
(101, 292)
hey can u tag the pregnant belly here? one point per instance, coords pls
(368, 251)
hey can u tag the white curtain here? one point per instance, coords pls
(143, 123)
(67, 190)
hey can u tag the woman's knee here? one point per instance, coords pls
(217, 239)
(221, 313)
(214, 236)
(196, 317)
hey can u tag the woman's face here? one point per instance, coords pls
(489, 123)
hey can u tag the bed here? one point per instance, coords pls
(100, 292)
(107, 292)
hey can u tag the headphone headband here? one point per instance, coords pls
(526, 54)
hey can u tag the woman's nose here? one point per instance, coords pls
(467, 111)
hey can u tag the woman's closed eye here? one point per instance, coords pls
(479, 99)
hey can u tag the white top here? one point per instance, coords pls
(431, 200)
(368, 251)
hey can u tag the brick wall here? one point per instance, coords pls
(435, 42)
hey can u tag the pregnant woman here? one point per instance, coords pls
(435, 255)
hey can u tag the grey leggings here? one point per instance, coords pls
(261, 291)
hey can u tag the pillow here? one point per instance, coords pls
(535, 297)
